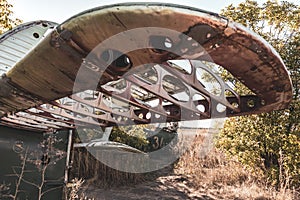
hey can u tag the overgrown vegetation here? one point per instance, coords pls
(270, 142)
(86, 166)
(226, 178)
(213, 176)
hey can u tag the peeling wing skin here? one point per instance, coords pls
(47, 72)
(14, 47)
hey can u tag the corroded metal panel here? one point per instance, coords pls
(15, 44)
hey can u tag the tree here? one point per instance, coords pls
(270, 142)
(7, 21)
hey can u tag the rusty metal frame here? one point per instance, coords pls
(37, 104)
(79, 109)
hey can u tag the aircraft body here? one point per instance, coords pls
(134, 63)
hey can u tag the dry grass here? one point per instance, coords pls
(195, 176)
(225, 178)
(87, 167)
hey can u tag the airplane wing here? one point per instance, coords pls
(136, 63)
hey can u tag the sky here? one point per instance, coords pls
(60, 10)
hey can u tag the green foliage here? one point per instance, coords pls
(265, 143)
(133, 136)
(7, 22)
(270, 143)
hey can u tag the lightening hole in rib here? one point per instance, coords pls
(235, 104)
(148, 115)
(183, 66)
(115, 103)
(200, 102)
(116, 87)
(116, 59)
(144, 97)
(141, 116)
(231, 98)
(160, 43)
(157, 116)
(201, 108)
(88, 95)
(209, 82)
(147, 74)
(175, 88)
(168, 43)
(220, 108)
(251, 103)
(119, 118)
